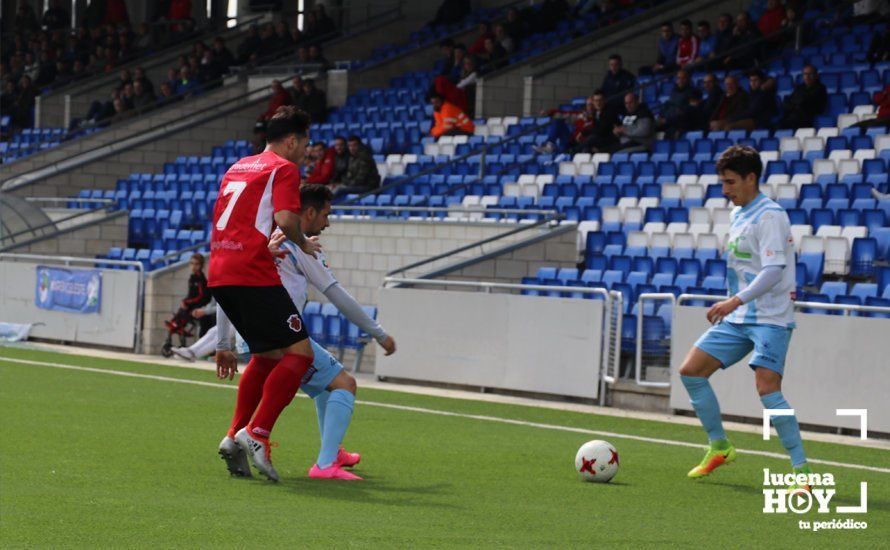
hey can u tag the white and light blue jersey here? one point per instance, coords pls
(298, 269)
(760, 236)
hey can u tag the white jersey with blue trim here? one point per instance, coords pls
(760, 236)
(298, 269)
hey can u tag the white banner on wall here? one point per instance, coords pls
(505, 341)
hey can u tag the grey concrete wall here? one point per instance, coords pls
(85, 240)
(503, 93)
(218, 126)
(164, 290)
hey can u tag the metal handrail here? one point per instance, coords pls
(53, 223)
(68, 260)
(846, 308)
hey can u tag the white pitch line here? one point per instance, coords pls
(438, 412)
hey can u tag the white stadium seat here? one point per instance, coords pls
(837, 255)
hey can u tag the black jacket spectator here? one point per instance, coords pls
(745, 50)
(250, 46)
(362, 171)
(879, 50)
(678, 102)
(712, 94)
(762, 104)
(635, 127)
(314, 102)
(56, 17)
(723, 36)
(808, 100)
(223, 56)
(617, 81)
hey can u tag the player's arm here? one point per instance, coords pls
(321, 277)
(226, 362)
(289, 223)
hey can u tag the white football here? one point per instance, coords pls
(597, 460)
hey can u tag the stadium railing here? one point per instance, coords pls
(43, 229)
(611, 299)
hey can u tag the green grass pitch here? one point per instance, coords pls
(90, 459)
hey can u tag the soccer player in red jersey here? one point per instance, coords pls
(258, 193)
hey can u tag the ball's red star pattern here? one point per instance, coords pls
(587, 466)
(614, 459)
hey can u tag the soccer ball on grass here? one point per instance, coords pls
(597, 460)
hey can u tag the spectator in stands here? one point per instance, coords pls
(223, 56)
(468, 76)
(446, 62)
(139, 76)
(762, 103)
(341, 164)
(187, 85)
(667, 50)
(127, 95)
(590, 128)
(280, 97)
(179, 10)
(516, 26)
(635, 126)
(771, 20)
(733, 105)
(315, 56)
(504, 39)
(22, 115)
(56, 17)
(324, 25)
(478, 46)
(744, 44)
(808, 100)
(172, 78)
(25, 19)
(282, 37)
(209, 71)
(167, 95)
(314, 102)
(451, 94)
(324, 164)
(32, 67)
(687, 45)
(451, 12)
(723, 39)
(456, 70)
(617, 80)
(697, 116)
(121, 111)
(250, 46)
(879, 50)
(712, 94)
(361, 174)
(296, 90)
(449, 119)
(494, 56)
(142, 99)
(46, 70)
(8, 97)
(674, 110)
(882, 102)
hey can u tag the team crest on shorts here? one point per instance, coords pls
(295, 323)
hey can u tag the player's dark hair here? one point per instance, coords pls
(198, 258)
(340, 137)
(616, 57)
(599, 91)
(741, 159)
(354, 138)
(287, 120)
(704, 23)
(686, 23)
(315, 196)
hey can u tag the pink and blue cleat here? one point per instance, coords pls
(334, 471)
(347, 459)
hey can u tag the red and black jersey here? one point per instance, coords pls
(252, 190)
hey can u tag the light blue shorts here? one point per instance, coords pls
(729, 343)
(324, 369)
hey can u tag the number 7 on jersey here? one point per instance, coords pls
(234, 188)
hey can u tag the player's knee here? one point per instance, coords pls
(768, 385)
(344, 381)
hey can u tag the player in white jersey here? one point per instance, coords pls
(758, 316)
(331, 388)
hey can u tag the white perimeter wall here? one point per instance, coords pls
(506, 341)
(114, 325)
(834, 363)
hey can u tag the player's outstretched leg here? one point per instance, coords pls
(250, 391)
(335, 420)
(344, 457)
(694, 374)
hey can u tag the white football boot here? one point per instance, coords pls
(259, 453)
(235, 457)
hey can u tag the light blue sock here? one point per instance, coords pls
(336, 419)
(321, 405)
(704, 401)
(787, 428)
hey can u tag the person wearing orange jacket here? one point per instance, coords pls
(450, 120)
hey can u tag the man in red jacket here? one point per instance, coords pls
(325, 159)
(280, 97)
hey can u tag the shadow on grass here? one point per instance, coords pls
(371, 491)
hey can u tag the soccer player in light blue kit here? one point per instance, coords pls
(331, 388)
(758, 316)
